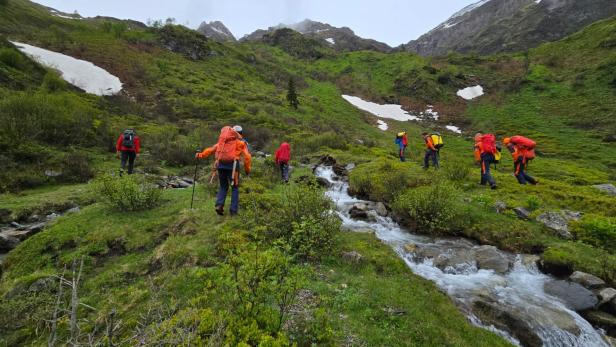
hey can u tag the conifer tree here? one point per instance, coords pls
(292, 95)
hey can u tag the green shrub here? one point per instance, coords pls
(533, 203)
(12, 58)
(76, 167)
(310, 143)
(456, 170)
(53, 83)
(310, 238)
(433, 209)
(129, 193)
(597, 231)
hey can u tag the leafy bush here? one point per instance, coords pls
(310, 143)
(433, 209)
(597, 231)
(533, 203)
(76, 167)
(457, 170)
(53, 83)
(129, 193)
(310, 238)
(12, 58)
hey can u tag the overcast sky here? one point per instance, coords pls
(390, 21)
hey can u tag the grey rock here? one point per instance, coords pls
(323, 182)
(7, 243)
(216, 31)
(52, 173)
(606, 295)
(16, 225)
(52, 216)
(340, 170)
(522, 213)
(455, 261)
(73, 210)
(352, 257)
(572, 294)
(506, 319)
(587, 280)
(500, 206)
(350, 166)
(360, 211)
(381, 209)
(26, 232)
(602, 320)
(43, 284)
(610, 189)
(557, 222)
(490, 258)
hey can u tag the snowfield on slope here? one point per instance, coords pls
(82, 74)
(384, 111)
(382, 125)
(471, 93)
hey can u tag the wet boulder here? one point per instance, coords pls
(609, 189)
(587, 280)
(606, 295)
(492, 313)
(455, 261)
(490, 258)
(602, 320)
(26, 231)
(327, 160)
(340, 170)
(7, 242)
(381, 209)
(575, 296)
(360, 211)
(322, 182)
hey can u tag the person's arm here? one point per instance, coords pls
(119, 144)
(207, 152)
(247, 159)
(430, 144)
(276, 156)
(137, 145)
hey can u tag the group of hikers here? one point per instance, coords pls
(232, 148)
(487, 152)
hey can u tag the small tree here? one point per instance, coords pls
(292, 95)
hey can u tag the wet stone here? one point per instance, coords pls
(522, 213)
(587, 280)
(572, 294)
(606, 295)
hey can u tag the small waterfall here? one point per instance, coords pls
(519, 292)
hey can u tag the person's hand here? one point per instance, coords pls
(136, 155)
(118, 155)
(197, 155)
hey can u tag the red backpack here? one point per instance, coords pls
(526, 146)
(226, 149)
(283, 154)
(488, 143)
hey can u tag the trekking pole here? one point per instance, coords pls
(192, 200)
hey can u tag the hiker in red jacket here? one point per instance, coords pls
(282, 157)
(128, 147)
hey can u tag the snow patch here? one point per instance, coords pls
(449, 25)
(454, 129)
(469, 8)
(471, 93)
(430, 113)
(382, 125)
(331, 41)
(537, 1)
(384, 111)
(80, 73)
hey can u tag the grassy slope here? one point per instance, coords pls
(138, 262)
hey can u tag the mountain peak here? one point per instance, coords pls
(217, 31)
(341, 39)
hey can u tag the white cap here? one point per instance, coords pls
(238, 129)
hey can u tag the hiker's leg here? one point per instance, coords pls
(519, 171)
(235, 198)
(123, 160)
(131, 161)
(285, 172)
(224, 176)
(427, 159)
(435, 159)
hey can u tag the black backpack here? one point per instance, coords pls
(128, 140)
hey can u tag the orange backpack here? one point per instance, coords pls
(226, 149)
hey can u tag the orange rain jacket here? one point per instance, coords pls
(429, 142)
(240, 149)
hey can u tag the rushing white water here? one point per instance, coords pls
(519, 291)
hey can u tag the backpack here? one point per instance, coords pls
(437, 141)
(497, 155)
(488, 143)
(128, 139)
(227, 144)
(284, 153)
(526, 146)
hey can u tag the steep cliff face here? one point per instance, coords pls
(216, 31)
(493, 26)
(340, 39)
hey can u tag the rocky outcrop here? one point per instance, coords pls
(559, 222)
(575, 296)
(522, 213)
(216, 31)
(587, 280)
(362, 211)
(340, 39)
(7, 242)
(491, 26)
(606, 295)
(352, 257)
(504, 319)
(184, 41)
(609, 189)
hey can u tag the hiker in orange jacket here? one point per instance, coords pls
(522, 151)
(431, 152)
(485, 147)
(228, 152)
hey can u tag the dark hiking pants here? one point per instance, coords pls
(431, 156)
(520, 172)
(128, 157)
(225, 177)
(486, 177)
(284, 171)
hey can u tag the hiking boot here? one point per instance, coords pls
(494, 187)
(220, 210)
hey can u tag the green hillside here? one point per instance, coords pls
(274, 276)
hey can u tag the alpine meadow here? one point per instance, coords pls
(359, 211)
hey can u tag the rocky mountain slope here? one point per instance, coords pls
(216, 31)
(341, 39)
(491, 26)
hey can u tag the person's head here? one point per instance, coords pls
(478, 136)
(239, 129)
(506, 141)
(424, 134)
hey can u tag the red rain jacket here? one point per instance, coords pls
(283, 154)
(120, 148)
